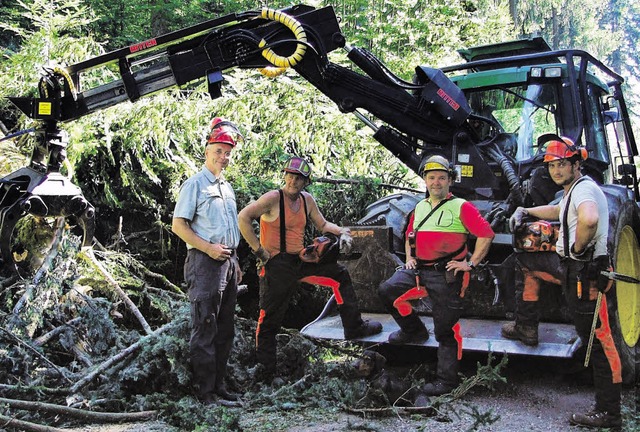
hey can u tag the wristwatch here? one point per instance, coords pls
(471, 264)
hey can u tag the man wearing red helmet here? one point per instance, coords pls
(283, 216)
(205, 217)
(581, 254)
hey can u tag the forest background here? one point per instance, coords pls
(131, 159)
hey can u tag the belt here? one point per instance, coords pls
(440, 266)
(193, 249)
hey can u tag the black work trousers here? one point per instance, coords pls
(282, 276)
(532, 269)
(445, 299)
(446, 311)
(605, 360)
(213, 289)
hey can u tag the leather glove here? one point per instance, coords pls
(346, 242)
(517, 218)
(262, 256)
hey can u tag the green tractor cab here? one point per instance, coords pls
(517, 92)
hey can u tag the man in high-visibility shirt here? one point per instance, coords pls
(437, 265)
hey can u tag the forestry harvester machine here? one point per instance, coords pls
(490, 116)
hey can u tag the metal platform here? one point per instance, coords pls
(555, 340)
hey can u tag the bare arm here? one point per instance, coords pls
(182, 229)
(546, 212)
(587, 225)
(481, 250)
(321, 224)
(410, 261)
(253, 211)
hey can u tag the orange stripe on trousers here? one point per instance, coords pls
(260, 320)
(325, 281)
(458, 337)
(603, 333)
(402, 303)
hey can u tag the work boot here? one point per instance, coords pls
(437, 388)
(401, 337)
(209, 399)
(596, 419)
(366, 328)
(527, 334)
(446, 372)
(260, 373)
(223, 393)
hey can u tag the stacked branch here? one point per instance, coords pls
(58, 337)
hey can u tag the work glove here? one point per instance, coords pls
(346, 242)
(584, 255)
(593, 269)
(517, 218)
(262, 256)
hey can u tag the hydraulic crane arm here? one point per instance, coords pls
(431, 109)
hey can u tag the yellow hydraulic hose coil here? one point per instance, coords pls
(282, 62)
(57, 70)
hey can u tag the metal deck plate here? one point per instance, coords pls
(555, 340)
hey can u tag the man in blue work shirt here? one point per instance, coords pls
(205, 217)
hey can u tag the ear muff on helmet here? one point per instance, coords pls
(560, 147)
(222, 131)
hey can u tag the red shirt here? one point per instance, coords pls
(434, 245)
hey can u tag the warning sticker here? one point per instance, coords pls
(44, 108)
(466, 170)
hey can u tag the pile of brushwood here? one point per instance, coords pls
(95, 337)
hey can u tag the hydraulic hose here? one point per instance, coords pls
(282, 62)
(57, 70)
(508, 170)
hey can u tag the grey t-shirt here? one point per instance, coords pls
(209, 204)
(582, 191)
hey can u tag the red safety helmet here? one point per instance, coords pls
(222, 131)
(563, 148)
(297, 165)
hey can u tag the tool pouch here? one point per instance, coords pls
(450, 277)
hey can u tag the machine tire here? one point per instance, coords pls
(624, 309)
(392, 211)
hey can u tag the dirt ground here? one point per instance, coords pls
(539, 396)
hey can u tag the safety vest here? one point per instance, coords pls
(445, 219)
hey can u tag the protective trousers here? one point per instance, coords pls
(532, 269)
(446, 310)
(605, 359)
(213, 289)
(282, 276)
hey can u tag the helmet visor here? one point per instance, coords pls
(298, 165)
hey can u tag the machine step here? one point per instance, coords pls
(481, 335)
